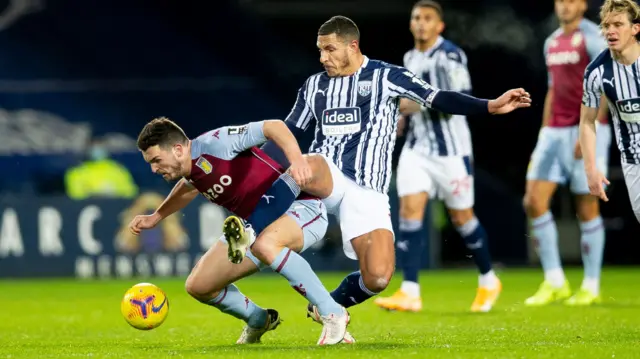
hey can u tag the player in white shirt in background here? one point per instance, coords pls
(615, 73)
(436, 163)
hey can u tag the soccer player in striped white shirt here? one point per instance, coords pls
(354, 106)
(615, 73)
(436, 162)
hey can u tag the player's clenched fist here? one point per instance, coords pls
(143, 222)
(300, 171)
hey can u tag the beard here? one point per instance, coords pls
(174, 174)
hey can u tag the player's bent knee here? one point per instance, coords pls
(321, 183)
(411, 212)
(376, 251)
(283, 233)
(460, 217)
(377, 281)
(266, 248)
(587, 207)
(535, 205)
(201, 289)
(412, 206)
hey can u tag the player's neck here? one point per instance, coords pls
(425, 45)
(572, 26)
(628, 55)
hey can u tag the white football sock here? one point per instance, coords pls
(412, 289)
(555, 277)
(592, 285)
(488, 280)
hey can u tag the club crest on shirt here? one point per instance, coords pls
(364, 88)
(576, 39)
(204, 165)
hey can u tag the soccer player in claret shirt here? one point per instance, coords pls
(557, 158)
(225, 167)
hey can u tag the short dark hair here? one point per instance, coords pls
(161, 131)
(342, 26)
(431, 5)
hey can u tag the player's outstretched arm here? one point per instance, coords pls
(457, 103)
(596, 179)
(406, 84)
(181, 195)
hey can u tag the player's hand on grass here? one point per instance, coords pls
(301, 172)
(577, 151)
(509, 101)
(144, 222)
(597, 181)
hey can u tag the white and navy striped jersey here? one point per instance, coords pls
(621, 85)
(356, 117)
(430, 132)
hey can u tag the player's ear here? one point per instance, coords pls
(441, 27)
(353, 45)
(635, 29)
(178, 150)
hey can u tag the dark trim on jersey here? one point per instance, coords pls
(625, 138)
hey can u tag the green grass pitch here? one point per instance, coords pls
(68, 318)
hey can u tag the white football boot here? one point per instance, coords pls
(331, 325)
(253, 335)
(240, 237)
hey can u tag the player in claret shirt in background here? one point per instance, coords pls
(557, 158)
(226, 167)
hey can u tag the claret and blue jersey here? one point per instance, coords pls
(229, 170)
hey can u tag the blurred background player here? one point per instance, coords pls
(557, 158)
(436, 161)
(614, 77)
